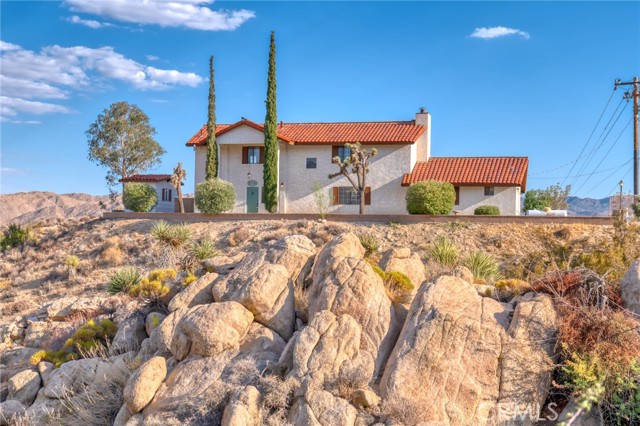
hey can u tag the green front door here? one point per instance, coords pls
(252, 199)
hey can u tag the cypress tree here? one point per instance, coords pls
(270, 168)
(212, 146)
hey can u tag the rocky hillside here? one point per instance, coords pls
(275, 323)
(31, 207)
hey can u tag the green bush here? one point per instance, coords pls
(444, 252)
(122, 280)
(636, 208)
(198, 251)
(173, 235)
(14, 236)
(139, 197)
(487, 211)
(215, 196)
(537, 199)
(483, 266)
(370, 243)
(430, 197)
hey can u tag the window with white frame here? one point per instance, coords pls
(253, 155)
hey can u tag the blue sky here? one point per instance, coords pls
(499, 78)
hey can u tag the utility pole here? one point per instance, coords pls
(635, 96)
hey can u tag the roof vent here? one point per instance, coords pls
(423, 110)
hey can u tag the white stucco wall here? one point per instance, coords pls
(384, 178)
(165, 206)
(506, 198)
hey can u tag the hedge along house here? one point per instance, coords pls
(165, 190)
(305, 153)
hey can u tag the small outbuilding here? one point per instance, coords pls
(162, 184)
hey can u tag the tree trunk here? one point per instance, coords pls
(180, 202)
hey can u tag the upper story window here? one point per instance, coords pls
(166, 194)
(312, 163)
(489, 190)
(340, 151)
(252, 155)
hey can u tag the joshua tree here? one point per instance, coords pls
(358, 162)
(179, 174)
(270, 167)
(212, 146)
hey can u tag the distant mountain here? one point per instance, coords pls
(588, 206)
(29, 207)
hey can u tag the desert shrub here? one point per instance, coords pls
(112, 256)
(189, 279)
(487, 211)
(197, 252)
(153, 287)
(122, 280)
(430, 197)
(483, 266)
(398, 287)
(370, 243)
(636, 208)
(14, 236)
(94, 403)
(72, 262)
(172, 235)
(215, 196)
(139, 197)
(238, 236)
(444, 252)
(512, 285)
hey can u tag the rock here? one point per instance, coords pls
(24, 386)
(131, 332)
(265, 289)
(123, 416)
(327, 351)
(365, 398)
(401, 260)
(143, 384)
(208, 330)
(320, 408)
(463, 273)
(223, 264)
(36, 332)
(89, 307)
(9, 410)
(630, 288)
(152, 321)
(344, 283)
(466, 349)
(196, 293)
(45, 369)
(159, 341)
(575, 415)
(243, 408)
(262, 345)
(485, 290)
(75, 376)
(16, 360)
(135, 420)
(294, 252)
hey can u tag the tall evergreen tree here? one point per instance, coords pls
(212, 146)
(270, 170)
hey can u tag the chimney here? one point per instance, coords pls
(423, 118)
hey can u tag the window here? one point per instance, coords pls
(489, 190)
(311, 163)
(340, 151)
(457, 188)
(166, 194)
(348, 195)
(252, 155)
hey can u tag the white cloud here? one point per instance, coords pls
(11, 171)
(495, 32)
(4, 46)
(152, 57)
(55, 71)
(88, 22)
(191, 14)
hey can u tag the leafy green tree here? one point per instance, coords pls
(121, 140)
(636, 208)
(139, 197)
(212, 146)
(430, 197)
(357, 163)
(554, 197)
(215, 196)
(270, 168)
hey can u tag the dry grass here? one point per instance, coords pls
(238, 236)
(96, 404)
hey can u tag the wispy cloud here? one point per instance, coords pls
(12, 171)
(191, 14)
(488, 33)
(55, 72)
(88, 22)
(152, 57)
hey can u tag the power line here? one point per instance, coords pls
(586, 174)
(609, 177)
(623, 178)
(590, 136)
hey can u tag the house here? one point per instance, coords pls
(164, 189)
(306, 150)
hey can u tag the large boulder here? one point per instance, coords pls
(196, 293)
(630, 288)
(321, 408)
(223, 264)
(131, 332)
(468, 351)
(344, 283)
(143, 384)
(243, 408)
(402, 260)
(10, 410)
(294, 252)
(89, 307)
(262, 345)
(208, 330)
(159, 341)
(24, 386)
(152, 321)
(74, 376)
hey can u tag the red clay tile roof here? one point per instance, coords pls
(383, 132)
(472, 171)
(146, 178)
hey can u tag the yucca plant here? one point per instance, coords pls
(203, 249)
(444, 252)
(173, 235)
(122, 280)
(370, 243)
(483, 266)
(161, 231)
